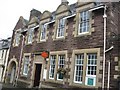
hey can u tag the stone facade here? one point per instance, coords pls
(69, 45)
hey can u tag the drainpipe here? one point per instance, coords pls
(108, 84)
(20, 59)
(105, 22)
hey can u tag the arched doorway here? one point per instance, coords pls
(11, 74)
(13, 70)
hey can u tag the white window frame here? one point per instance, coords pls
(61, 64)
(26, 65)
(92, 64)
(30, 36)
(84, 22)
(81, 60)
(61, 28)
(51, 66)
(43, 32)
(17, 38)
(0, 54)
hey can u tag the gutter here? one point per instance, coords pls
(50, 22)
(96, 8)
(63, 18)
(69, 16)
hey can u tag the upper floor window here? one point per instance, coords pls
(26, 65)
(30, 36)
(43, 32)
(61, 28)
(17, 39)
(84, 22)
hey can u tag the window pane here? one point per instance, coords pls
(60, 76)
(30, 35)
(60, 31)
(17, 38)
(52, 66)
(61, 62)
(79, 67)
(26, 65)
(84, 22)
(91, 65)
(43, 31)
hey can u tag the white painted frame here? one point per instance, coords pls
(50, 67)
(75, 68)
(62, 64)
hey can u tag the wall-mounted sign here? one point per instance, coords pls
(44, 54)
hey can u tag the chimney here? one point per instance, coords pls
(64, 2)
(35, 13)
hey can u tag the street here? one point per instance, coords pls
(0, 86)
(3, 85)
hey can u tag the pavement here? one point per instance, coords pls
(6, 86)
(0, 86)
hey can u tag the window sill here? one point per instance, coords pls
(59, 79)
(59, 38)
(15, 45)
(51, 78)
(24, 76)
(82, 85)
(28, 43)
(83, 34)
(77, 82)
(41, 41)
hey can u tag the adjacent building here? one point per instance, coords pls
(75, 46)
(4, 53)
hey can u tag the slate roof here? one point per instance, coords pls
(5, 43)
(0, 45)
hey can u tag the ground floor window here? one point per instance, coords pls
(57, 66)
(79, 58)
(26, 65)
(61, 61)
(91, 69)
(85, 63)
(52, 66)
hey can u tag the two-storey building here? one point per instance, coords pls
(74, 46)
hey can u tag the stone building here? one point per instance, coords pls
(79, 41)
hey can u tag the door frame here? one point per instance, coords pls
(12, 77)
(37, 59)
(35, 72)
(13, 60)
